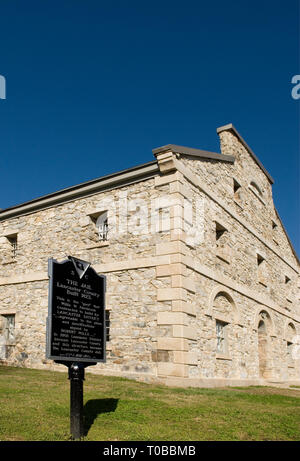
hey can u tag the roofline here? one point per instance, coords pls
(230, 127)
(107, 182)
(199, 153)
(287, 236)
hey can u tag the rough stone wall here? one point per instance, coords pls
(68, 229)
(229, 264)
(169, 284)
(126, 258)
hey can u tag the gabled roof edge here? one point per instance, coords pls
(230, 127)
(199, 153)
(287, 236)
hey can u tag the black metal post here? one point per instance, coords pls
(76, 377)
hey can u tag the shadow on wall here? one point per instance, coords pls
(95, 407)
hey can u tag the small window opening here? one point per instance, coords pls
(236, 186)
(260, 260)
(9, 327)
(220, 230)
(287, 279)
(13, 240)
(289, 347)
(256, 188)
(101, 223)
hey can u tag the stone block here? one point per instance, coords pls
(172, 344)
(171, 318)
(172, 369)
(181, 331)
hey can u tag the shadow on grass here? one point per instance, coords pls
(95, 407)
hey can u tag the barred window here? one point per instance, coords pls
(102, 226)
(13, 240)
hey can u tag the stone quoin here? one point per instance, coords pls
(202, 280)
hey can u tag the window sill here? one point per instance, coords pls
(224, 254)
(12, 261)
(262, 281)
(223, 357)
(97, 245)
(263, 284)
(238, 203)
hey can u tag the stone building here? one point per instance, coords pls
(202, 280)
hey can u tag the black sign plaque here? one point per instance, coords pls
(76, 312)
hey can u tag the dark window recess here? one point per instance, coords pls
(14, 245)
(107, 324)
(236, 186)
(219, 230)
(260, 259)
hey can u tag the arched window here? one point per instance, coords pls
(290, 336)
(102, 226)
(264, 330)
(224, 313)
(256, 188)
(100, 223)
(253, 186)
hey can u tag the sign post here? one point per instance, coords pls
(75, 326)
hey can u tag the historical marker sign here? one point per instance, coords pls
(76, 313)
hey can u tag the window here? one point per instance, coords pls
(101, 223)
(9, 327)
(220, 230)
(236, 190)
(13, 240)
(275, 231)
(261, 270)
(221, 337)
(223, 249)
(289, 350)
(107, 324)
(256, 188)
(286, 280)
(260, 260)
(257, 191)
(102, 226)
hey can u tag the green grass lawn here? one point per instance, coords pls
(34, 405)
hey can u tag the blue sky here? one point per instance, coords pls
(91, 81)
